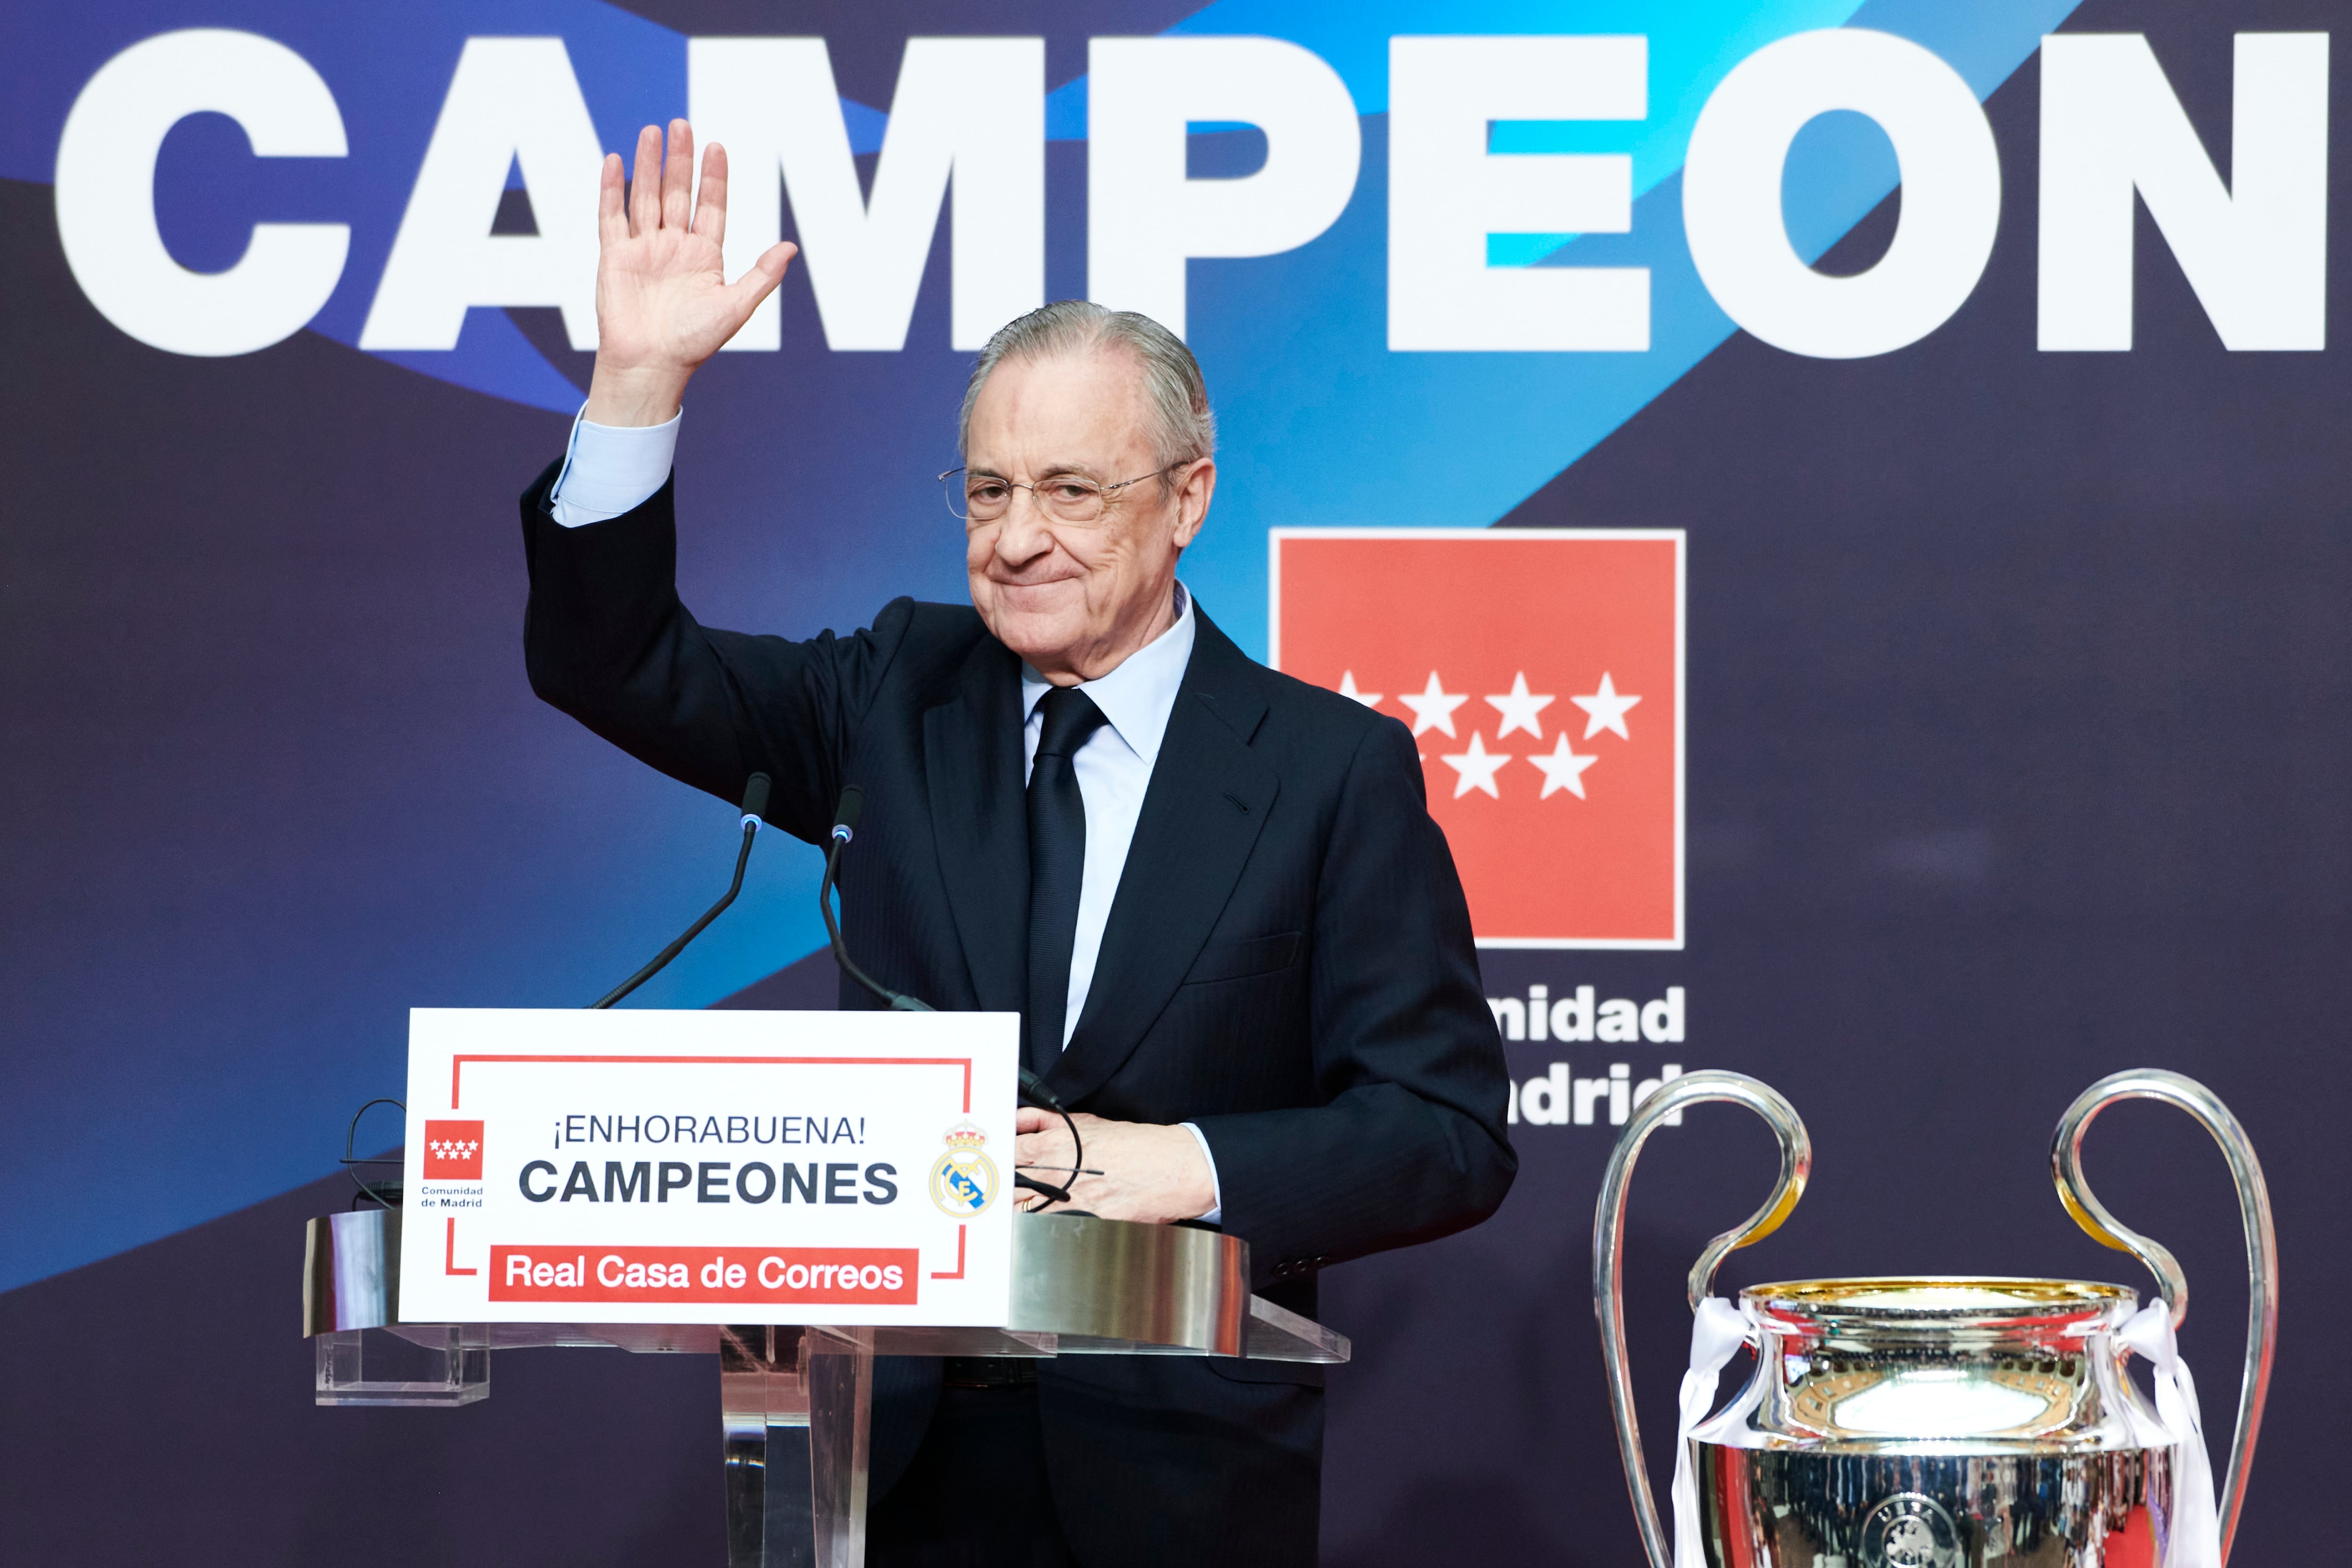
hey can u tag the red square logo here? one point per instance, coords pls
(1541, 672)
(453, 1150)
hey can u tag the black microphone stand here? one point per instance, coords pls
(844, 827)
(755, 805)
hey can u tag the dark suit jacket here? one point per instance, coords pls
(1288, 965)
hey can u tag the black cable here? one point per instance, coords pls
(1053, 1194)
(351, 1163)
(755, 802)
(1035, 1087)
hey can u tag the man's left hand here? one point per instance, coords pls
(1149, 1173)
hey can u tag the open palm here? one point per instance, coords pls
(663, 301)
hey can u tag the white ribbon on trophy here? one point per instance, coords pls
(1717, 1330)
(2197, 1525)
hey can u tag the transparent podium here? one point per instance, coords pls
(795, 1402)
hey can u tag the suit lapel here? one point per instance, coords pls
(972, 763)
(1208, 799)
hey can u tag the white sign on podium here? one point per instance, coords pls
(708, 1167)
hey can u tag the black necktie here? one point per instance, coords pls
(1057, 864)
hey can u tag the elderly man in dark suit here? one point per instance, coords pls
(1214, 893)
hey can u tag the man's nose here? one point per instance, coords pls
(1021, 534)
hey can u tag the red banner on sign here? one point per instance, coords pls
(873, 1276)
(1540, 672)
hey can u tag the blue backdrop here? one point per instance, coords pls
(2018, 743)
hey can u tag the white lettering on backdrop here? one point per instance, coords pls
(106, 186)
(1447, 194)
(2256, 251)
(1951, 193)
(514, 103)
(968, 117)
(1145, 218)
(968, 113)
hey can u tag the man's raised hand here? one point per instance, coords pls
(663, 301)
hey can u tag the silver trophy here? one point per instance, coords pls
(1941, 1423)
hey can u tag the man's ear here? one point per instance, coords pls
(1192, 498)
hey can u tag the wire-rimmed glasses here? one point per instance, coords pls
(982, 498)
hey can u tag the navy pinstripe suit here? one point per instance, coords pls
(1288, 965)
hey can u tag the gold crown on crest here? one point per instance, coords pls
(966, 1135)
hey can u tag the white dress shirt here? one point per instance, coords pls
(610, 469)
(1114, 770)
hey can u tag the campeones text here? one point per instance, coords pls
(711, 1182)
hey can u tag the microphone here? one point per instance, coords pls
(845, 817)
(845, 828)
(755, 805)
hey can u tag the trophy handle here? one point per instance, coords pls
(1609, 1249)
(2253, 1207)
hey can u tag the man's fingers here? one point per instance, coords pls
(777, 257)
(645, 183)
(677, 176)
(612, 222)
(1025, 1118)
(710, 199)
(745, 294)
(1047, 1147)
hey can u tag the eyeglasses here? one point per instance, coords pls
(1064, 498)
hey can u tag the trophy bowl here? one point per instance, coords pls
(1940, 1422)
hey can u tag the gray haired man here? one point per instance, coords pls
(1214, 894)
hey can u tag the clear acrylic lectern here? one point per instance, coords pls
(795, 1402)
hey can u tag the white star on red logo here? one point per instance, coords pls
(1519, 708)
(1562, 769)
(1606, 709)
(1475, 768)
(1433, 706)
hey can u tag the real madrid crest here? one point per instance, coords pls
(964, 1180)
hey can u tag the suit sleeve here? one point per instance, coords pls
(1408, 1143)
(606, 641)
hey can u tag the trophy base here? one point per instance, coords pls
(1762, 1508)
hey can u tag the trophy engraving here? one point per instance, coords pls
(1909, 1531)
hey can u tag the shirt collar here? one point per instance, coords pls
(1139, 696)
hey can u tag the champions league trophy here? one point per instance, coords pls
(1941, 1423)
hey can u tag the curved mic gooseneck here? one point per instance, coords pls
(845, 817)
(755, 805)
(844, 827)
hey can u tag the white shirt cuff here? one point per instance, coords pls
(610, 469)
(1216, 1189)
